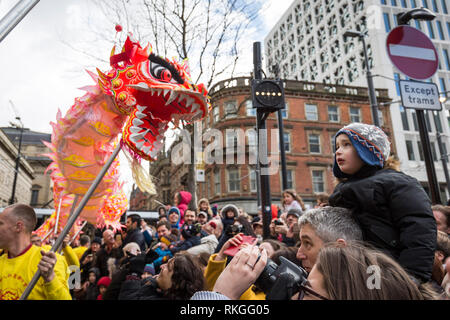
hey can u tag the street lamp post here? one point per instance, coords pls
(372, 93)
(16, 172)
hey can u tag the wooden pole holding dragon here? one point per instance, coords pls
(136, 99)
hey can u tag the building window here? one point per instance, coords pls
(252, 138)
(318, 181)
(394, 3)
(418, 25)
(34, 197)
(251, 112)
(430, 29)
(433, 151)
(403, 3)
(440, 30)
(425, 3)
(311, 112)
(234, 183)
(287, 141)
(314, 143)
(444, 6)
(410, 150)
(216, 114)
(419, 146)
(414, 116)
(289, 179)
(413, 4)
(231, 138)
(355, 114)
(387, 22)
(446, 59)
(434, 4)
(217, 186)
(285, 111)
(230, 109)
(383, 1)
(333, 113)
(333, 142)
(253, 181)
(443, 87)
(404, 118)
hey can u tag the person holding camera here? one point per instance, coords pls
(288, 232)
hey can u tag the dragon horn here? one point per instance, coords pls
(113, 51)
(102, 75)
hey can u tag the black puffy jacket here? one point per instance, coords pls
(395, 215)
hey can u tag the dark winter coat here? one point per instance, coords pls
(135, 236)
(137, 289)
(101, 262)
(395, 215)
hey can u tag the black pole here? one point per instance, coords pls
(262, 149)
(442, 152)
(16, 173)
(429, 163)
(282, 150)
(372, 93)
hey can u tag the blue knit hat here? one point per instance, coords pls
(150, 269)
(371, 143)
(173, 210)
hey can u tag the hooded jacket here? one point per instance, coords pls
(228, 221)
(185, 198)
(395, 215)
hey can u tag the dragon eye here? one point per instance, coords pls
(160, 73)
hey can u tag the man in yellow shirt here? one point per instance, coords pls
(21, 259)
(85, 243)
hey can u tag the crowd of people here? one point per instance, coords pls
(376, 237)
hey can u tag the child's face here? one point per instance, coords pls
(346, 155)
(92, 277)
(287, 197)
(102, 290)
(229, 214)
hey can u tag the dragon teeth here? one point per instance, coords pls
(173, 96)
(189, 101)
(140, 115)
(135, 129)
(138, 136)
(140, 144)
(137, 122)
(146, 150)
(195, 107)
(182, 97)
(141, 108)
(166, 91)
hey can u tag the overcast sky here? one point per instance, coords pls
(39, 73)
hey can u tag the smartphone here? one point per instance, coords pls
(231, 251)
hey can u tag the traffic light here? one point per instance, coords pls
(268, 95)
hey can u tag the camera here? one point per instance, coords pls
(233, 230)
(281, 282)
(277, 222)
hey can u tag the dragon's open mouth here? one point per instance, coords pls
(147, 124)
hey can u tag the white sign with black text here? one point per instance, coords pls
(420, 95)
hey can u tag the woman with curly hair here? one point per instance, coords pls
(178, 279)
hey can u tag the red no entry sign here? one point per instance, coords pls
(412, 52)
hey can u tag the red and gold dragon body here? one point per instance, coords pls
(136, 99)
